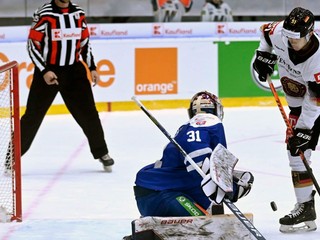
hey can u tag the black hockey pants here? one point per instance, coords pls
(76, 92)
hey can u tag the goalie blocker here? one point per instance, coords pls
(224, 226)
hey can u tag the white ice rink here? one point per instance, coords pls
(67, 196)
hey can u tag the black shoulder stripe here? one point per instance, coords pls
(267, 37)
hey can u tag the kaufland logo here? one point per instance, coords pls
(243, 30)
(66, 34)
(56, 34)
(230, 30)
(178, 31)
(221, 28)
(114, 33)
(157, 29)
(94, 30)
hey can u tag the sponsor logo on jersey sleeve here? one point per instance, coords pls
(317, 77)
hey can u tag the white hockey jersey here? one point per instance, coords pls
(295, 70)
(215, 13)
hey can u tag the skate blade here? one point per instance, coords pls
(303, 227)
(107, 168)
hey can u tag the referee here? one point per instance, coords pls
(58, 36)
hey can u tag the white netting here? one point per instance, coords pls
(6, 156)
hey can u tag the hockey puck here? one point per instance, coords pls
(273, 206)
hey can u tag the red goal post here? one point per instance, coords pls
(10, 154)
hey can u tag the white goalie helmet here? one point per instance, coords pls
(205, 102)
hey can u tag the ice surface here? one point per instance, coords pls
(67, 195)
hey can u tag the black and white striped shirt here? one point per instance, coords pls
(58, 36)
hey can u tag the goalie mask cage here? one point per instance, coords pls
(10, 155)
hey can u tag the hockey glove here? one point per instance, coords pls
(211, 190)
(293, 119)
(264, 64)
(299, 141)
(242, 183)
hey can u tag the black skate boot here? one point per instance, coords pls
(303, 213)
(107, 162)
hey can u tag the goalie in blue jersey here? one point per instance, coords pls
(171, 186)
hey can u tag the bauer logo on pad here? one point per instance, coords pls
(156, 71)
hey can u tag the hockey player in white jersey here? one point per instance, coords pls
(171, 186)
(216, 11)
(297, 54)
(170, 10)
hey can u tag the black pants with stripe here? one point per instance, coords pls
(76, 92)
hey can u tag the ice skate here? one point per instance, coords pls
(107, 162)
(301, 218)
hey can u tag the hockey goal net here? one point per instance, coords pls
(10, 167)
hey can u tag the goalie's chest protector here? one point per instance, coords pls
(198, 138)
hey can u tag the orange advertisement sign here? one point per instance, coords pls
(156, 71)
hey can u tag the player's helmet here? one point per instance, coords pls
(205, 102)
(298, 23)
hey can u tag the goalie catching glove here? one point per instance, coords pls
(299, 141)
(242, 182)
(264, 64)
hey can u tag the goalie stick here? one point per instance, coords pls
(286, 120)
(226, 201)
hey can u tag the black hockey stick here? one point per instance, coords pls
(286, 120)
(229, 204)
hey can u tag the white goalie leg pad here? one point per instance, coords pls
(224, 226)
(302, 227)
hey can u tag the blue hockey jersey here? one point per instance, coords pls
(198, 137)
